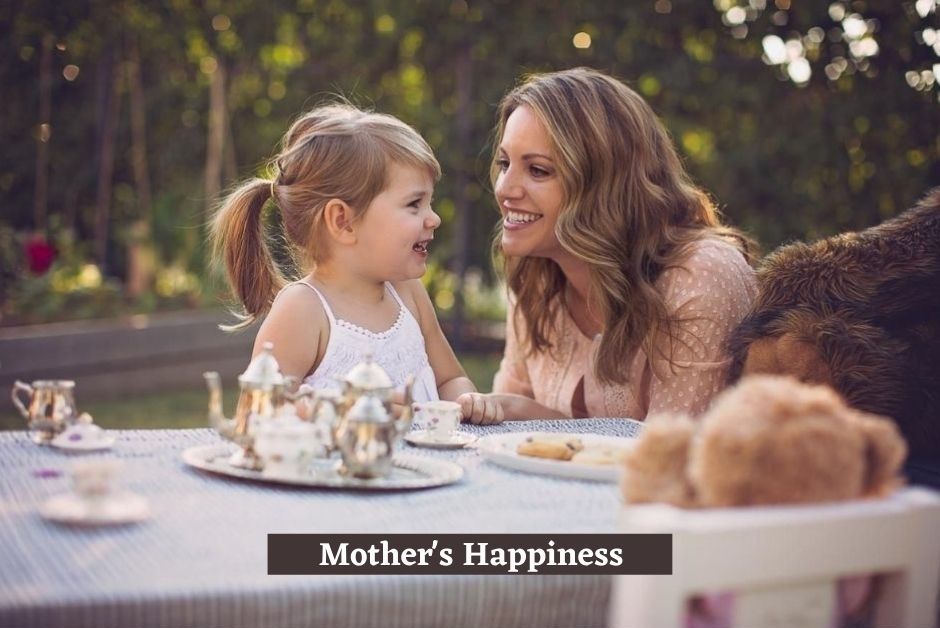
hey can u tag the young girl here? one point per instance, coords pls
(354, 191)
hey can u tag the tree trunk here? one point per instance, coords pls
(230, 166)
(43, 135)
(462, 182)
(215, 142)
(140, 258)
(109, 96)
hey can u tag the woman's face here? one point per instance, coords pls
(528, 188)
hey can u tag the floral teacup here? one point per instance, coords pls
(438, 418)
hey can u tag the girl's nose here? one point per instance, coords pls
(432, 221)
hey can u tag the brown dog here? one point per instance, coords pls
(860, 312)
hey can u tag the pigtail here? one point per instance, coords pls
(238, 241)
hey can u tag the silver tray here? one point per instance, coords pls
(408, 472)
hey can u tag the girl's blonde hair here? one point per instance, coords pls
(630, 211)
(332, 152)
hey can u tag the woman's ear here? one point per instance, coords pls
(338, 220)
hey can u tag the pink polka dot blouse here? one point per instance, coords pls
(713, 289)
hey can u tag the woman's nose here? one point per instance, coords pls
(507, 186)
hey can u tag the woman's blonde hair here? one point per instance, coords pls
(630, 211)
(332, 152)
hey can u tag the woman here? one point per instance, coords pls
(623, 282)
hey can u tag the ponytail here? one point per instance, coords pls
(238, 239)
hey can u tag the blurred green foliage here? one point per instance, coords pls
(836, 134)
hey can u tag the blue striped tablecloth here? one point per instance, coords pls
(201, 560)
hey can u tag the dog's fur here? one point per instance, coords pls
(860, 312)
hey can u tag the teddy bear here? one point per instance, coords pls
(768, 440)
(861, 313)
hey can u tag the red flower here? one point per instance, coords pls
(39, 254)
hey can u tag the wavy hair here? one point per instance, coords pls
(332, 152)
(630, 211)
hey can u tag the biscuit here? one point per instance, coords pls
(551, 447)
(600, 456)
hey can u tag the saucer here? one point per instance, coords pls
(423, 438)
(117, 509)
(81, 438)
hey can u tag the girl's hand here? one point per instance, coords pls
(480, 409)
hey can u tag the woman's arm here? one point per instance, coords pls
(516, 407)
(512, 387)
(512, 376)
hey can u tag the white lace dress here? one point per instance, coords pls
(399, 350)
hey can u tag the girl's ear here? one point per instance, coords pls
(338, 219)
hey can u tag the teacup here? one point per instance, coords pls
(49, 409)
(95, 479)
(438, 418)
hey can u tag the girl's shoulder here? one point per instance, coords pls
(299, 327)
(299, 301)
(413, 296)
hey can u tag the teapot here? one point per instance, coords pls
(263, 391)
(288, 444)
(366, 430)
(50, 407)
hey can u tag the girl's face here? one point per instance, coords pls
(528, 188)
(394, 235)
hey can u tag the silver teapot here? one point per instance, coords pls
(263, 392)
(49, 408)
(366, 429)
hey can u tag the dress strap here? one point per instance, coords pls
(326, 305)
(394, 293)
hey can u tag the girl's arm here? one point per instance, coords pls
(298, 328)
(452, 381)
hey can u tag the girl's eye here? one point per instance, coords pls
(538, 172)
(502, 164)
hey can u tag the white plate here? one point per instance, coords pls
(116, 509)
(501, 449)
(423, 438)
(408, 472)
(86, 444)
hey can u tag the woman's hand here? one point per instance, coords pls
(480, 409)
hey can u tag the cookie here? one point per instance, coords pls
(600, 456)
(551, 447)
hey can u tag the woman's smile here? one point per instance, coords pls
(515, 219)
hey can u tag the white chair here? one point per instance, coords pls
(782, 563)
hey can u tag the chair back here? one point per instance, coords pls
(783, 563)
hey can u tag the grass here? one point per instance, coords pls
(186, 408)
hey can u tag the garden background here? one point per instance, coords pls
(122, 122)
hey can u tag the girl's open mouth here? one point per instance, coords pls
(421, 247)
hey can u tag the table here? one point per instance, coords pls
(201, 560)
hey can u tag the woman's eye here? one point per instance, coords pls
(538, 172)
(502, 164)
